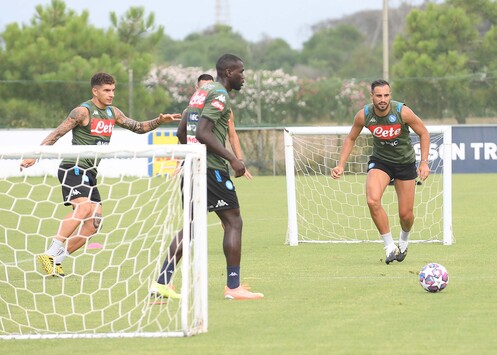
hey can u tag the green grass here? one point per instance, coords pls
(336, 299)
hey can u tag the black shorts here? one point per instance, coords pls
(395, 171)
(78, 182)
(221, 194)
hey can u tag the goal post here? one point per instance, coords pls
(324, 210)
(105, 292)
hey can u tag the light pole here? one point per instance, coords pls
(385, 40)
(130, 93)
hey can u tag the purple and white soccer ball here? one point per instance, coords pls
(433, 277)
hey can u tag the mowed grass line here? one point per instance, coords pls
(336, 299)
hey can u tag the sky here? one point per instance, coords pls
(290, 20)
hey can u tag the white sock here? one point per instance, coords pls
(387, 240)
(403, 240)
(55, 247)
(59, 258)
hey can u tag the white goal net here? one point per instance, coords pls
(106, 288)
(324, 210)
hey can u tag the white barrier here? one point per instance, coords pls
(108, 167)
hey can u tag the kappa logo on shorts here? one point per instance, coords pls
(75, 192)
(221, 203)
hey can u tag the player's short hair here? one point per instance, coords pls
(102, 78)
(379, 82)
(205, 77)
(225, 62)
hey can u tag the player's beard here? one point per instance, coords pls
(382, 106)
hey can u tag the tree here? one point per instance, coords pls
(330, 49)
(272, 54)
(204, 49)
(436, 53)
(483, 61)
(268, 97)
(58, 53)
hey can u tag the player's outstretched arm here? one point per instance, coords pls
(145, 126)
(77, 116)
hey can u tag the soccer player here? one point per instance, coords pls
(91, 123)
(393, 157)
(206, 121)
(232, 135)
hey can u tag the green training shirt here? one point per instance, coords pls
(212, 102)
(98, 131)
(391, 140)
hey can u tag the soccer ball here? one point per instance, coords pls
(433, 277)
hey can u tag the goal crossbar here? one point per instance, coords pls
(100, 151)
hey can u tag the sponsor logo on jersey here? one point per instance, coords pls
(101, 127)
(386, 132)
(191, 140)
(198, 99)
(393, 143)
(218, 105)
(193, 117)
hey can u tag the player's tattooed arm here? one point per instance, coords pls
(79, 115)
(128, 123)
(76, 117)
(143, 127)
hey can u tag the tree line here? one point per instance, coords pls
(443, 65)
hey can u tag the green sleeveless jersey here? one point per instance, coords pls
(210, 101)
(391, 140)
(98, 131)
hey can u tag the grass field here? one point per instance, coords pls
(336, 299)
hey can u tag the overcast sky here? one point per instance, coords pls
(290, 20)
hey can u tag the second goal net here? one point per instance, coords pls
(106, 288)
(324, 210)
